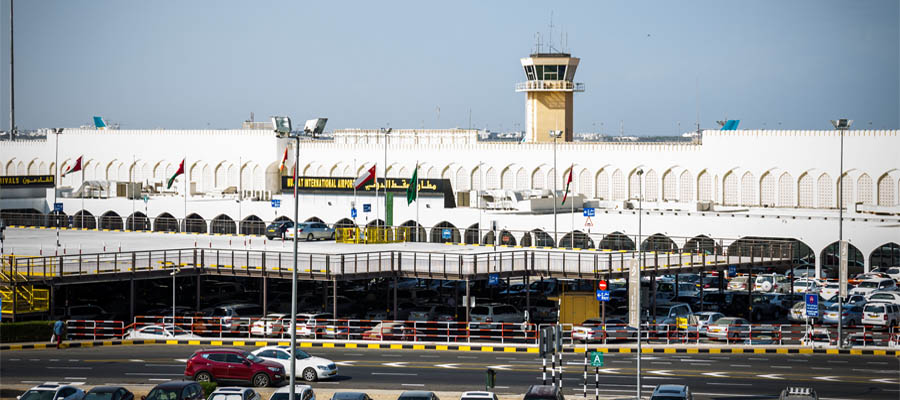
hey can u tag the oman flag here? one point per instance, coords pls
(568, 183)
(74, 168)
(180, 171)
(367, 176)
(283, 161)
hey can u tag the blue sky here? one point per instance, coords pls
(197, 64)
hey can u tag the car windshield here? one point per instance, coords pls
(38, 395)
(301, 355)
(253, 357)
(225, 396)
(283, 396)
(99, 396)
(667, 398)
(163, 394)
(868, 285)
(834, 307)
(762, 279)
(873, 308)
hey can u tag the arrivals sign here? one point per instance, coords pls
(28, 181)
(319, 184)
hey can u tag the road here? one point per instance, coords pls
(710, 376)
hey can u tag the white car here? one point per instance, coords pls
(705, 318)
(271, 325)
(806, 286)
(52, 391)
(893, 272)
(870, 285)
(490, 315)
(881, 314)
(478, 396)
(234, 393)
(309, 367)
(887, 297)
(309, 324)
(772, 283)
(301, 392)
(160, 332)
(829, 290)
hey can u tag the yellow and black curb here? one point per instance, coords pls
(455, 347)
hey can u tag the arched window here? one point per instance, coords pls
(508, 179)
(603, 185)
(886, 191)
(805, 192)
(786, 190)
(491, 180)
(537, 179)
(651, 184)
(864, 190)
(618, 185)
(826, 197)
(767, 190)
(551, 183)
(845, 194)
(705, 187)
(687, 187)
(634, 185)
(521, 179)
(731, 190)
(585, 183)
(748, 192)
(462, 180)
(670, 186)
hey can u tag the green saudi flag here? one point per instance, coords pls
(412, 191)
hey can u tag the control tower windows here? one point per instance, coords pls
(529, 72)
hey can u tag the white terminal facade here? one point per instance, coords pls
(728, 184)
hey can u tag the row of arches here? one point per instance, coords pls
(737, 187)
(886, 255)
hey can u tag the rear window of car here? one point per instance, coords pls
(873, 308)
(504, 310)
(480, 310)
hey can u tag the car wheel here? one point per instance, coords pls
(309, 238)
(309, 375)
(203, 377)
(260, 380)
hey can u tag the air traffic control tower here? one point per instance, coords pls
(549, 93)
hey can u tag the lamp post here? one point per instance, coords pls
(173, 273)
(386, 132)
(478, 193)
(555, 134)
(639, 172)
(283, 130)
(57, 132)
(841, 125)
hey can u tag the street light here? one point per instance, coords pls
(841, 125)
(282, 127)
(639, 172)
(555, 134)
(173, 273)
(57, 132)
(385, 132)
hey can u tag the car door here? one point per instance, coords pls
(217, 365)
(236, 367)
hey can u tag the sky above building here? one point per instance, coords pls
(650, 66)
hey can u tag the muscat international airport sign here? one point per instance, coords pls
(27, 181)
(317, 184)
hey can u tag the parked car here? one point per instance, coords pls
(871, 285)
(176, 390)
(705, 318)
(301, 392)
(432, 312)
(160, 332)
(350, 396)
(233, 365)
(881, 314)
(311, 231)
(851, 316)
(109, 393)
(738, 283)
(490, 315)
(235, 317)
(830, 289)
(818, 337)
(893, 273)
(311, 368)
(806, 286)
(52, 391)
(885, 296)
(234, 393)
(594, 330)
(417, 395)
(271, 325)
(772, 283)
(478, 396)
(728, 328)
(389, 331)
(278, 229)
(544, 392)
(671, 392)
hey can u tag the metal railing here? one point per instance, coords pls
(550, 85)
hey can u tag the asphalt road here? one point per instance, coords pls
(718, 376)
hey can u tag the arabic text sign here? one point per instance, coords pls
(588, 211)
(603, 295)
(276, 203)
(32, 181)
(812, 305)
(332, 184)
(58, 207)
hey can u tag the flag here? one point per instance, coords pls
(568, 183)
(367, 176)
(283, 161)
(74, 168)
(178, 172)
(412, 189)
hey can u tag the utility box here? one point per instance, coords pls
(575, 307)
(462, 199)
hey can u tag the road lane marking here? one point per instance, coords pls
(469, 357)
(75, 378)
(828, 368)
(426, 356)
(716, 374)
(413, 384)
(136, 360)
(393, 373)
(740, 365)
(400, 364)
(780, 366)
(68, 367)
(877, 362)
(500, 367)
(451, 366)
(826, 378)
(665, 372)
(771, 376)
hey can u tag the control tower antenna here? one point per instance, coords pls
(550, 48)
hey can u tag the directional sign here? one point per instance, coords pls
(446, 233)
(367, 208)
(603, 295)
(57, 207)
(732, 271)
(493, 280)
(596, 359)
(352, 213)
(812, 305)
(588, 211)
(276, 203)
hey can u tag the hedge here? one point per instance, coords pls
(208, 388)
(28, 331)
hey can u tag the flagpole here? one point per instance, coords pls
(416, 173)
(571, 174)
(354, 191)
(82, 198)
(131, 186)
(185, 193)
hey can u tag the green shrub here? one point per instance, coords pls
(28, 331)
(208, 388)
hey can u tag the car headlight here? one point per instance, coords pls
(274, 369)
(322, 367)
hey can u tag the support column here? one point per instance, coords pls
(131, 299)
(53, 302)
(395, 296)
(199, 280)
(468, 303)
(265, 294)
(334, 298)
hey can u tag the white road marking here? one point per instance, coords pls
(828, 368)
(884, 380)
(400, 364)
(75, 378)
(661, 362)
(500, 367)
(877, 362)
(392, 373)
(158, 379)
(757, 359)
(345, 363)
(354, 354)
(469, 357)
(665, 372)
(660, 377)
(826, 378)
(506, 358)
(14, 359)
(740, 365)
(393, 355)
(716, 374)
(69, 360)
(181, 360)
(877, 371)
(797, 360)
(451, 366)
(136, 360)
(413, 384)
(771, 376)
(427, 356)
(328, 382)
(609, 371)
(780, 366)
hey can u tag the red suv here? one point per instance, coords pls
(233, 365)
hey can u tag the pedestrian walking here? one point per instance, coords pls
(59, 331)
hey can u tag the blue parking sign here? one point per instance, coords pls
(603, 295)
(446, 234)
(493, 279)
(58, 207)
(732, 271)
(352, 213)
(812, 305)
(276, 203)
(588, 211)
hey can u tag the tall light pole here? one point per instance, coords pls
(57, 132)
(386, 132)
(282, 126)
(480, 208)
(841, 125)
(555, 134)
(639, 172)
(173, 273)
